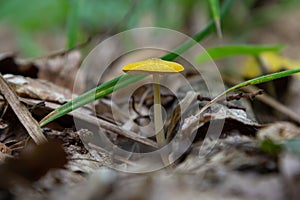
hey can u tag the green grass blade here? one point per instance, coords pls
(91, 95)
(81, 100)
(233, 50)
(72, 23)
(125, 79)
(215, 10)
(254, 81)
(198, 37)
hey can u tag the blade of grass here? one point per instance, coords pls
(91, 95)
(198, 37)
(125, 79)
(266, 99)
(233, 50)
(22, 113)
(215, 10)
(72, 23)
(254, 81)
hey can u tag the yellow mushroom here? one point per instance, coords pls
(155, 67)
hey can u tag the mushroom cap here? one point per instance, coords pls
(152, 66)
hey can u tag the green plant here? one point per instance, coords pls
(253, 81)
(234, 50)
(127, 79)
(219, 52)
(215, 10)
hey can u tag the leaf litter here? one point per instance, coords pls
(223, 170)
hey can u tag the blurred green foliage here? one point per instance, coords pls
(33, 15)
(79, 19)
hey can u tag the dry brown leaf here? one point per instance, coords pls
(279, 132)
(29, 123)
(62, 70)
(38, 89)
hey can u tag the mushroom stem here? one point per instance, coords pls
(158, 121)
(156, 67)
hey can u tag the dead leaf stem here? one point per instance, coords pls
(29, 123)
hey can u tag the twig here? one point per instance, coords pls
(231, 106)
(29, 123)
(83, 115)
(180, 109)
(232, 97)
(240, 95)
(268, 100)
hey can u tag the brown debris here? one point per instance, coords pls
(29, 123)
(35, 161)
(38, 89)
(62, 70)
(279, 132)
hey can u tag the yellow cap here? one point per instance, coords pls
(153, 65)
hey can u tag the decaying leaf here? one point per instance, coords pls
(80, 159)
(229, 119)
(38, 89)
(62, 69)
(29, 123)
(279, 132)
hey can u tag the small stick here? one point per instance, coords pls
(269, 101)
(29, 123)
(85, 116)
(232, 97)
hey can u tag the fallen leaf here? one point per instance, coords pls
(279, 132)
(38, 89)
(30, 124)
(62, 70)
